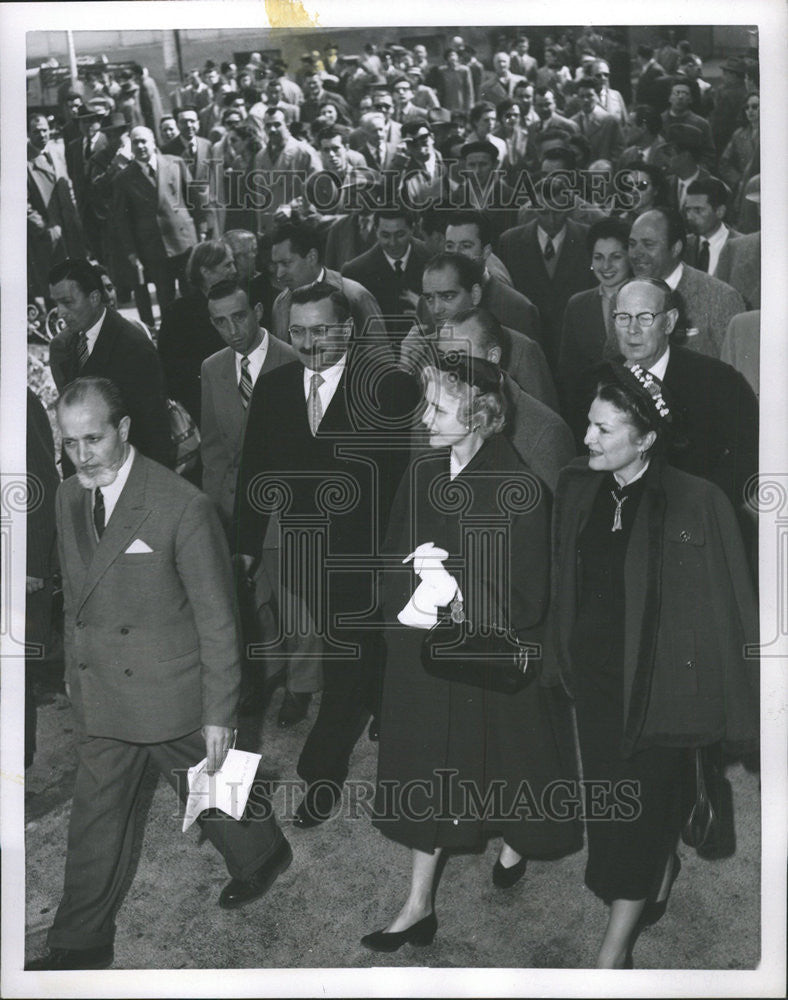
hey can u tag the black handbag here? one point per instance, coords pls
(709, 826)
(489, 657)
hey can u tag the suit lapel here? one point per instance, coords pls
(99, 359)
(79, 506)
(233, 413)
(128, 515)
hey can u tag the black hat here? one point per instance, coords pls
(480, 146)
(116, 122)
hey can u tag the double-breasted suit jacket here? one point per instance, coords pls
(150, 637)
(224, 419)
(200, 166)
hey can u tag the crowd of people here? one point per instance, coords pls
(408, 314)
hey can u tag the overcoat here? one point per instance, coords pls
(691, 617)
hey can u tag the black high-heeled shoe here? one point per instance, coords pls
(653, 912)
(505, 878)
(421, 933)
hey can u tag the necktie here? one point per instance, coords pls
(82, 351)
(98, 512)
(703, 256)
(87, 150)
(549, 249)
(314, 407)
(399, 268)
(151, 174)
(245, 385)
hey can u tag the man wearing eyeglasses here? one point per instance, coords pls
(382, 104)
(716, 409)
(314, 426)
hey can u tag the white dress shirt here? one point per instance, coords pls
(661, 365)
(558, 239)
(256, 360)
(331, 377)
(404, 259)
(112, 492)
(91, 334)
(675, 277)
(717, 241)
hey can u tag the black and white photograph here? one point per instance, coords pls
(393, 499)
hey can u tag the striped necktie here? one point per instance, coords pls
(82, 351)
(245, 385)
(313, 405)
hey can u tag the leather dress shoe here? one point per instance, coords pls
(421, 933)
(293, 709)
(74, 958)
(505, 878)
(238, 892)
(317, 805)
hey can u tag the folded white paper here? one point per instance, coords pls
(227, 789)
(138, 546)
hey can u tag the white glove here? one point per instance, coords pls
(436, 589)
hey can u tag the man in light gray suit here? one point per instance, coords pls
(706, 305)
(228, 380)
(152, 668)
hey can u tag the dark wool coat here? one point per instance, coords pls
(442, 741)
(690, 610)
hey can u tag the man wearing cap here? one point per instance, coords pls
(679, 113)
(78, 153)
(706, 305)
(704, 209)
(609, 100)
(482, 186)
(425, 179)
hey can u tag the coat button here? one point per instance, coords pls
(80, 624)
(83, 666)
(128, 672)
(685, 536)
(690, 664)
(456, 822)
(124, 631)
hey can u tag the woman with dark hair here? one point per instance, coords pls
(652, 608)
(456, 759)
(588, 333)
(516, 138)
(647, 189)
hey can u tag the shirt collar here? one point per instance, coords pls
(91, 334)
(716, 239)
(256, 357)
(112, 492)
(331, 376)
(558, 239)
(404, 259)
(675, 277)
(660, 367)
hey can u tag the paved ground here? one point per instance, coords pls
(346, 880)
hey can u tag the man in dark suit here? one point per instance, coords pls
(187, 337)
(78, 154)
(391, 271)
(370, 140)
(99, 341)
(704, 209)
(715, 410)
(679, 113)
(157, 214)
(548, 258)
(323, 405)
(54, 231)
(644, 135)
(296, 260)
(195, 151)
(649, 86)
(152, 667)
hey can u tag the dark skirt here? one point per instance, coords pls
(458, 763)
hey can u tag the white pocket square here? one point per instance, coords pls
(136, 547)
